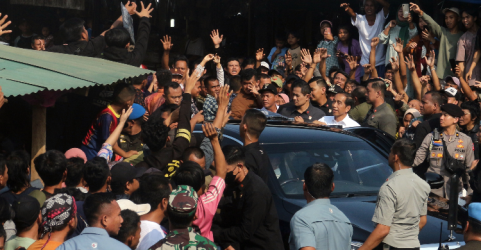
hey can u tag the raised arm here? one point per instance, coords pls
(349, 11)
(385, 6)
(114, 136)
(322, 64)
(353, 65)
(372, 57)
(219, 70)
(435, 27)
(311, 61)
(416, 83)
(398, 47)
(167, 44)
(434, 76)
(288, 63)
(220, 162)
(469, 74)
(471, 95)
(131, 8)
(259, 56)
(397, 78)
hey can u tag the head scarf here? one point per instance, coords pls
(404, 32)
(57, 211)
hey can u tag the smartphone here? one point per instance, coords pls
(405, 7)
(453, 65)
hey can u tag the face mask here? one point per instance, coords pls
(230, 179)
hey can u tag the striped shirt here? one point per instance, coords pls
(207, 206)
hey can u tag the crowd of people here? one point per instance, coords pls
(141, 180)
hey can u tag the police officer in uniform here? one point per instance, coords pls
(459, 146)
(401, 209)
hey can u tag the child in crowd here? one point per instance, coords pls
(278, 52)
(294, 51)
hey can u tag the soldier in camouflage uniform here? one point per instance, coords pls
(181, 211)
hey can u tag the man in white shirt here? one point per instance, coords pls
(340, 107)
(154, 190)
(369, 26)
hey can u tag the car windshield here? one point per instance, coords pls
(358, 168)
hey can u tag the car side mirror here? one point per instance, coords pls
(434, 180)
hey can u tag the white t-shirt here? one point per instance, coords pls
(367, 33)
(347, 122)
(150, 233)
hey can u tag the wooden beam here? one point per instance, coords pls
(39, 136)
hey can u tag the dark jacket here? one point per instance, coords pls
(170, 156)
(92, 48)
(257, 160)
(134, 58)
(253, 221)
(422, 130)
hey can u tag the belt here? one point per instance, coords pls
(388, 247)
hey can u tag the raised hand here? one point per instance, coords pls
(410, 63)
(216, 38)
(392, 24)
(198, 118)
(209, 131)
(123, 117)
(459, 72)
(191, 80)
(374, 42)
(131, 7)
(260, 54)
(3, 26)
(345, 6)
(430, 58)
(144, 12)
(367, 68)
(398, 46)
(303, 69)
(394, 64)
(224, 96)
(424, 79)
(316, 58)
(399, 97)
(216, 59)
(413, 45)
(289, 59)
(2, 98)
(324, 54)
(352, 60)
(427, 36)
(253, 88)
(306, 56)
(415, 8)
(167, 43)
(209, 57)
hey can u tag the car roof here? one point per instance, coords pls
(289, 133)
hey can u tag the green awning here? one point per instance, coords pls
(25, 71)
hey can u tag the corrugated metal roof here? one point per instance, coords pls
(24, 71)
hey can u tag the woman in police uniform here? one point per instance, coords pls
(459, 146)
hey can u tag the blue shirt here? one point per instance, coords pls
(93, 238)
(320, 225)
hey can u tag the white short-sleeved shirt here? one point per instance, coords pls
(150, 233)
(367, 33)
(347, 122)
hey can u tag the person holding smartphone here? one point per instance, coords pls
(329, 42)
(448, 37)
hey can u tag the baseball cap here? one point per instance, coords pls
(455, 80)
(140, 209)
(452, 9)
(292, 77)
(451, 92)
(265, 65)
(452, 110)
(277, 81)
(137, 112)
(183, 200)
(278, 71)
(176, 72)
(269, 87)
(123, 172)
(325, 21)
(474, 211)
(26, 210)
(76, 152)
